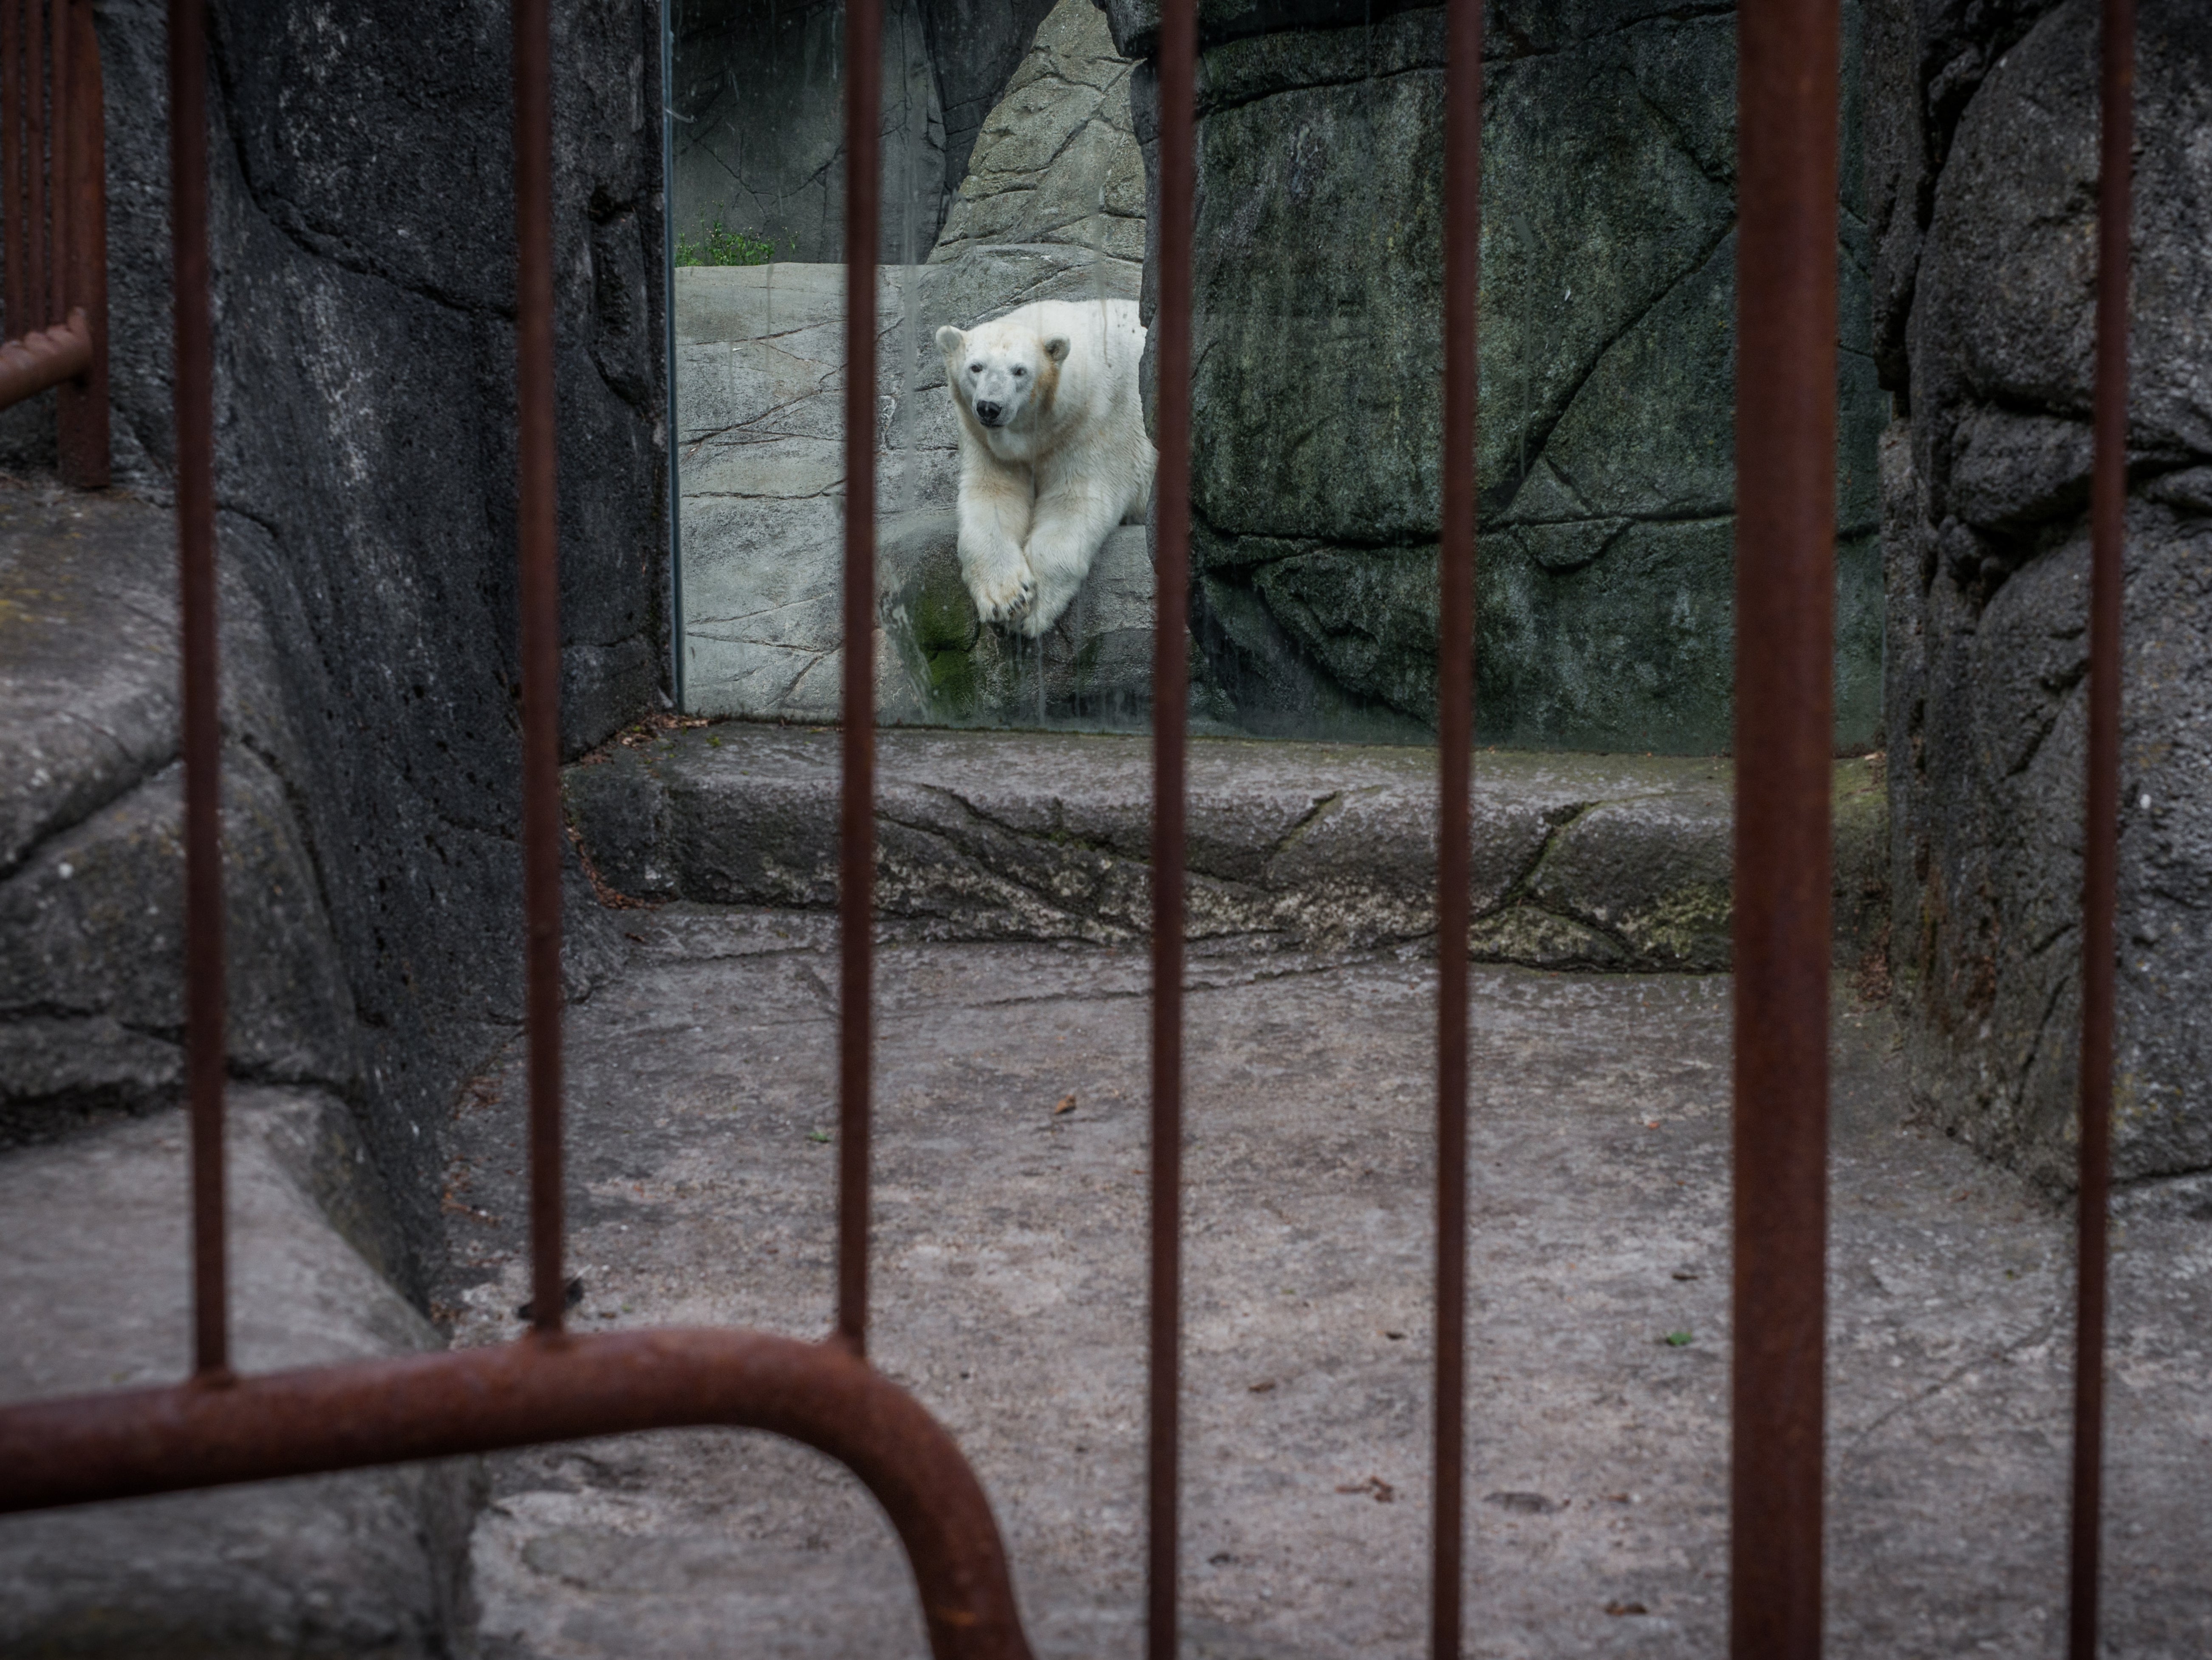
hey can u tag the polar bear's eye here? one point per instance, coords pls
(1019, 372)
(975, 368)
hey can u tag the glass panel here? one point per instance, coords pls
(1013, 175)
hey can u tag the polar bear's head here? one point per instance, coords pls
(1002, 373)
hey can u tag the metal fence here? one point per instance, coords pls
(551, 1385)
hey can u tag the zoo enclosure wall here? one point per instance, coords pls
(218, 1427)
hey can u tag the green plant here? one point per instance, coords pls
(718, 245)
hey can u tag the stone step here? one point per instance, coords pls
(91, 858)
(1579, 861)
(96, 1230)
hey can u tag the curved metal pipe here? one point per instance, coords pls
(43, 358)
(219, 1430)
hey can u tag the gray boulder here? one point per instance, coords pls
(1993, 267)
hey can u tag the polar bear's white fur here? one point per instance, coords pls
(1052, 450)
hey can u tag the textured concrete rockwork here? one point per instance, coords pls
(1605, 450)
(365, 477)
(1602, 862)
(1985, 198)
(1009, 1294)
(760, 135)
(1057, 160)
(91, 860)
(97, 1296)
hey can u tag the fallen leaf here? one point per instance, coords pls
(1376, 1487)
(1067, 1104)
(1625, 1607)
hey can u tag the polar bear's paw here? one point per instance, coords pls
(1006, 596)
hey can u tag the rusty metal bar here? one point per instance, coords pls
(856, 841)
(538, 551)
(2101, 842)
(81, 416)
(1785, 449)
(13, 156)
(58, 136)
(202, 745)
(47, 358)
(1178, 173)
(540, 1390)
(1462, 237)
(35, 315)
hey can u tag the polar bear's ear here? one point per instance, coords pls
(1056, 348)
(950, 340)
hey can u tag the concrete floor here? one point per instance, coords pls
(1009, 1296)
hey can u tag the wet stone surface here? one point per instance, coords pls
(1009, 1295)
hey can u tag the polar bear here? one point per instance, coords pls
(1052, 450)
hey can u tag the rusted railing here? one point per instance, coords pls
(1787, 104)
(552, 1385)
(53, 218)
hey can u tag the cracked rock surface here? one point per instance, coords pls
(361, 254)
(1009, 1154)
(91, 816)
(1606, 453)
(1985, 192)
(1617, 862)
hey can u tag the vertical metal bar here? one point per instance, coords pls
(202, 745)
(668, 340)
(857, 802)
(58, 131)
(35, 314)
(12, 154)
(1455, 752)
(2100, 851)
(1178, 166)
(82, 414)
(536, 520)
(1785, 446)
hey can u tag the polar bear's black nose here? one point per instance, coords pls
(988, 414)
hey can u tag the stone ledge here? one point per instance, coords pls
(95, 1232)
(1583, 861)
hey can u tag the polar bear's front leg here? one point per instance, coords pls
(994, 522)
(1070, 524)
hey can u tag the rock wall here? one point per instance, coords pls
(1983, 191)
(365, 479)
(1607, 322)
(1057, 163)
(759, 140)
(758, 99)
